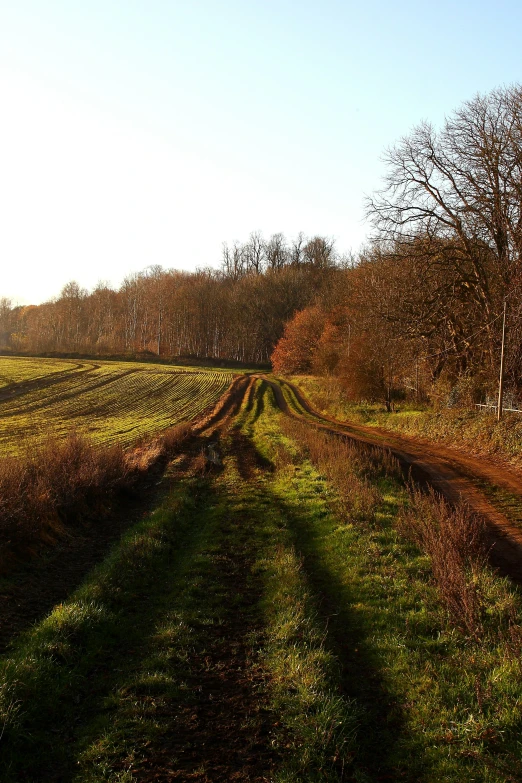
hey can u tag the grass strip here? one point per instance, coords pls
(317, 724)
(434, 703)
(59, 674)
(193, 705)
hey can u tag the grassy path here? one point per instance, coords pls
(255, 627)
(192, 707)
(191, 653)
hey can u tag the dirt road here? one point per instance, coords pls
(167, 679)
(479, 482)
(492, 490)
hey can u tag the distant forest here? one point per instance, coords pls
(235, 313)
(417, 313)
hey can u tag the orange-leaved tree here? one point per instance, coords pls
(294, 353)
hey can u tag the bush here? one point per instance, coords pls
(454, 539)
(64, 481)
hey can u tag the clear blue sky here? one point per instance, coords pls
(135, 133)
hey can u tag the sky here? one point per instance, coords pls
(141, 132)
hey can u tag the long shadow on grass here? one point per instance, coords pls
(220, 727)
(382, 721)
(122, 689)
(60, 674)
(347, 637)
(35, 586)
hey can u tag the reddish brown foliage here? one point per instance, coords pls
(295, 350)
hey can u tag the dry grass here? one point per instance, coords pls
(478, 602)
(67, 480)
(148, 451)
(454, 540)
(351, 467)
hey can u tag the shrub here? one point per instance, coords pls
(454, 539)
(64, 481)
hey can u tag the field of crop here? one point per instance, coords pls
(111, 402)
(21, 370)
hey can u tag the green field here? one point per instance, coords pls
(19, 370)
(111, 402)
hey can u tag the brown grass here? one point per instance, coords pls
(149, 451)
(454, 539)
(65, 481)
(351, 467)
(477, 601)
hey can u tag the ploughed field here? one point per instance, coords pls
(110, 402)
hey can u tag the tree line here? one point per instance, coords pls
(234, 313)
(418, 312)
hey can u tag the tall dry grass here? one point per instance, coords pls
(478, 602)
(352, 467)
(454, 538)
(64, 481)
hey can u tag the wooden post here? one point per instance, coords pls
(501, 376)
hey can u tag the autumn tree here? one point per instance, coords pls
(6, 321)
(294, 353)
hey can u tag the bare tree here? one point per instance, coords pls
(462, 186)
(234, 261)
(254, 253)
(296, 249)
(276, 251)
(72, 315)
(319, 252)
(6, 307)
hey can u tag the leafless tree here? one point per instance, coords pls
(276, 251)
(462, 186)
(254, 253)
(234, 260)
(319, 252)
(296, 249)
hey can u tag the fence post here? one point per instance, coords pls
(501, 377)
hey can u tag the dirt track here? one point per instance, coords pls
(223, 731)
(457, 476)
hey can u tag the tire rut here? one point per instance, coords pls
(34, 587)
(224, 733)
(456, 476)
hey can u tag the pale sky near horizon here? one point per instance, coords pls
(137, 133)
